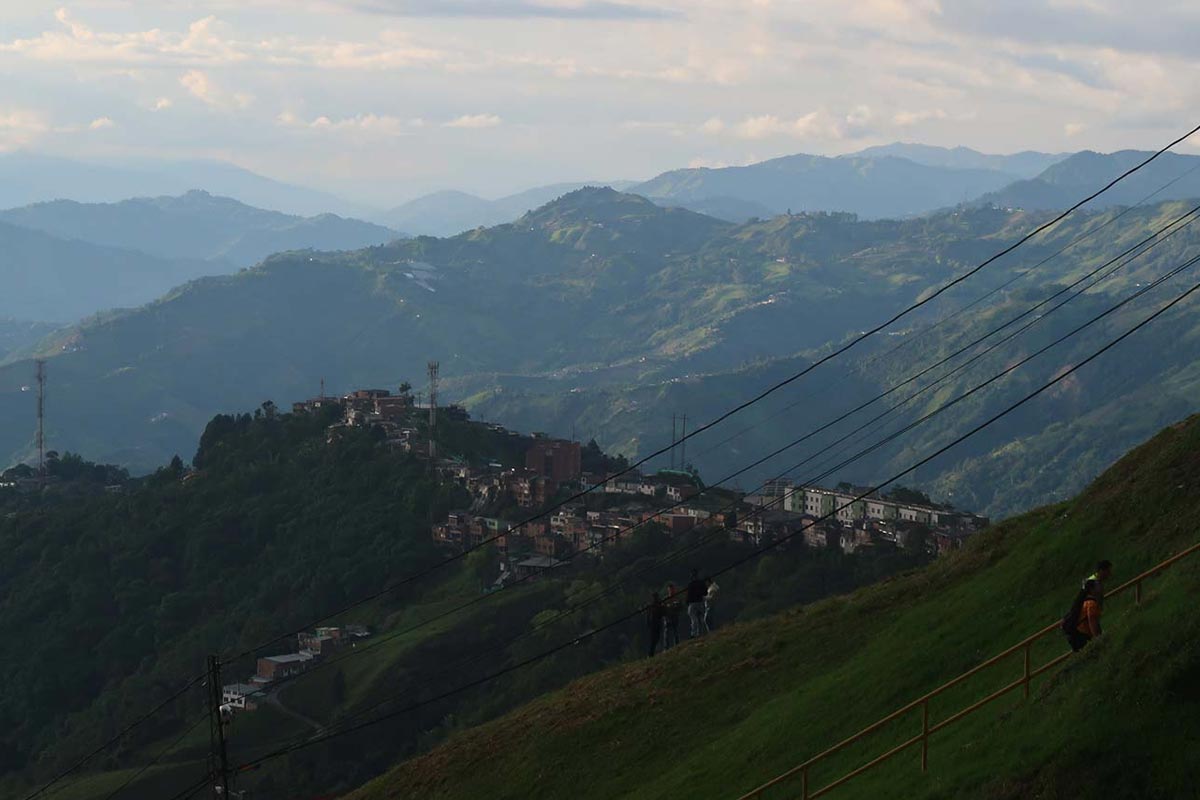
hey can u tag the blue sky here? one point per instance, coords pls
(381, 100)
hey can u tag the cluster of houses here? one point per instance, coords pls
(820, 517)
(854, 518)
(392, 414)
(311, 649)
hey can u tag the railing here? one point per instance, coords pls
(1025, 647)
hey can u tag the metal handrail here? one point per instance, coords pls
(922, 702)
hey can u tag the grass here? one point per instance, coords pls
(717, 717)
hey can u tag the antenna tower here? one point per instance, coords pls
(433, 383)
(41, 419)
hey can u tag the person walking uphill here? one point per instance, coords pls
(1087, 618)
(697, 588)
(655, 612)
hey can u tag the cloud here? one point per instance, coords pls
(713, 125)
(20, 127)
(767, 125)
(202, 87)
(99, 123)
(382, 124)
(474, 121)
(907, 119)
(162, 104)
(515, 9)
(1073, 129)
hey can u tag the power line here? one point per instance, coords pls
(158, 757)
(910, 340)
(752, 555)
(740, 407)
(116, 738)
(1124, 258)
(1175, 271)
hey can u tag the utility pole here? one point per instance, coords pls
(674, 438)
(322, 388)
(683, 444)
(218, 756)
(41, 420)
(433, 383)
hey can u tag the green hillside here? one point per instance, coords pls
(713, 719)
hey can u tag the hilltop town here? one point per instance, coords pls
(536, 471)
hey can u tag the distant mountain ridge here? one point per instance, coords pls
(871, 187)
(27, 178)
(196, 225)
(446, 213)
(61, 280)
(1025, 164)
(1076, 176)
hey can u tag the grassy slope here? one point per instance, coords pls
(715, 718)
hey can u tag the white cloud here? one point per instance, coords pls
(474, 121)
(100, 123)
(20, 127)
(1072, 129)
(766, 125)
(381, 124)
(713, 125)
(162, 104)
(204, 89)
(906, 119)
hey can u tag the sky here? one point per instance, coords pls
(383, 100)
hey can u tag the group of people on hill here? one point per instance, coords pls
(1080, 625)
(663, 614)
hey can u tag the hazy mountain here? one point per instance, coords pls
(17, 335)
(196, 225)
(47, 278)
(449, 212)
(591, 283)
(604, 313)
(33, 178)
(1064, 183)
(1026, 164)
(872, 188)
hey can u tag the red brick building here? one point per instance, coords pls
(557, 459)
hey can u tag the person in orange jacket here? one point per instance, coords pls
(1082, 624)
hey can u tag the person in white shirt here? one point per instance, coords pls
(709, 598)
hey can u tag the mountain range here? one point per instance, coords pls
(63, 260)
(449, 212)
(27, 177)
(196, 225)
(604, 313)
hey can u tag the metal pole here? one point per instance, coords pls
(683, 445)
(674, 439)
(925, 736)
(222, 756)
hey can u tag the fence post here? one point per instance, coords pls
(1137, 593)
(925, 735)
(804, 783)
(1028, 647)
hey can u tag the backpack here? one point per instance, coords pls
(1070, 622)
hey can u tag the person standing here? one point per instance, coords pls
(697, 588)
(654, 621)
(710, 598)
(1082, 624)
(671, 611)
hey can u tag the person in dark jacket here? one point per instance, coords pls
(654, 620)
(1082, 623)
(671, 610)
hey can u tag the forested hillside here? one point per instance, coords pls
(717, 718)
(131, 583)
